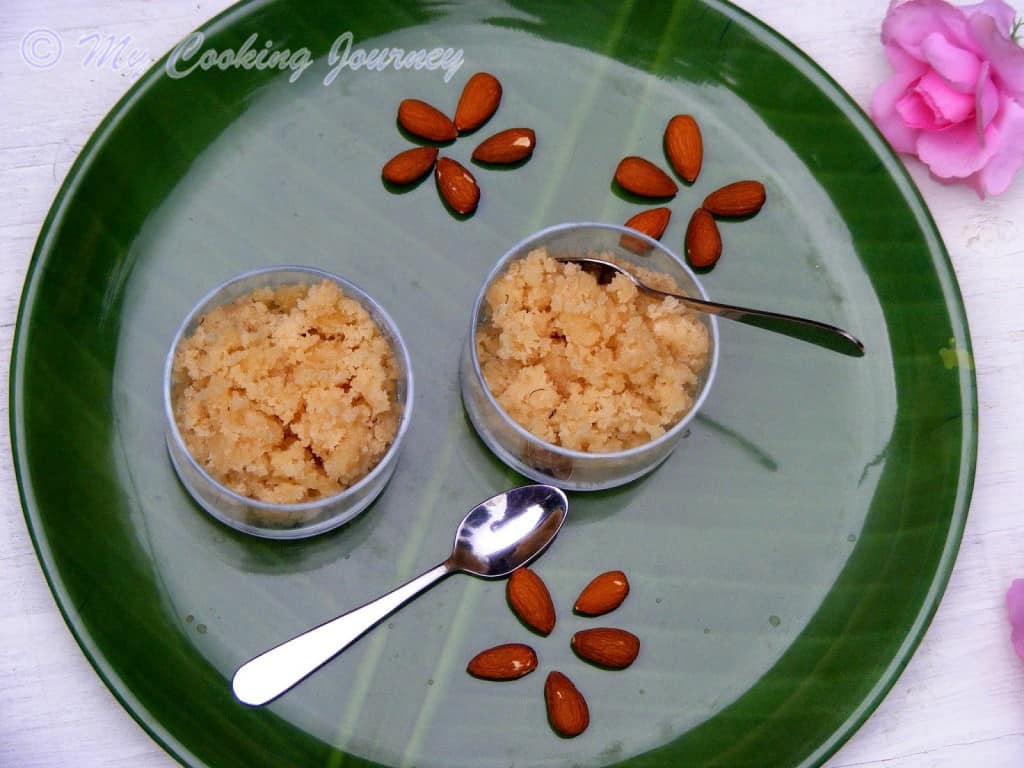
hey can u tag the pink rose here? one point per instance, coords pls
(1015, 605)
(956, 99)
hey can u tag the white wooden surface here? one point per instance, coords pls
(960, 703)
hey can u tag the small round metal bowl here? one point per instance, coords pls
(285, 521)
(543, 461)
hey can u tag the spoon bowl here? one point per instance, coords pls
(508, 530)
(497, 536)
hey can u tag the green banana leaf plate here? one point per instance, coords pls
(784, 562)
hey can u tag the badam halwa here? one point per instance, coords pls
(589, 367)
(287, 394)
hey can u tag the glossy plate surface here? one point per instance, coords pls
(784, 562)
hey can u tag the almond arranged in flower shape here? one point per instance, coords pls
(606, 646)
(684, 146)
(406, 167)
(703, 240)
(506, 147)
(457, 186)
(503, 662)
(479, 100)
(427, 122)
(603, 594)
(644, 178)
(567, 709)
(741, 198)
(651, 223)
(529, 598)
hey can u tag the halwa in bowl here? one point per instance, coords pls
(584, 385)
(287, 394)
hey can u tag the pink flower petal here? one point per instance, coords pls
(959, 67)
(998, 173)
(1002, 13)
(986, 100)
(947, 105)
(1015, 602)
(908, 24)
(956, 152)
(899, 59)
(1006, 57)
(883, 110)
(915, 112)
(1015, 606)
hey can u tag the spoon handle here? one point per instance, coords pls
(844, 341)
(267, 676)
(813, 331)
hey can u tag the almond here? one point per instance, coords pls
(651, 223)
(606, 646)
(741, 198)
(644, 178)
(427, 122)
(509, 146)
(531, 601)
(479, 100)
(684, 146)
(603, 594)
(456, 185)
(567, 709)
(503, 662)
(406, 167)
(703, 241)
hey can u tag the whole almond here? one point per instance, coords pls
(410, 165)
(531, 601)
(703, 240)
(509, 146)
(603, 594)
(456, 185)
(651, 223)
(606, 646)
(479, 100)
(684, 146)
(503, 662)
(567, 709)
(427, 122)
(741, 198)
(644, 178)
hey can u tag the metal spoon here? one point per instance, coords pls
(813, 331)
(496, 537)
